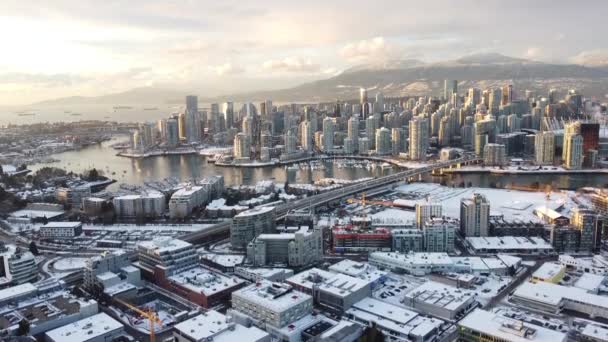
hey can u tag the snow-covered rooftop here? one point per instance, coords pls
(508, 243)
(507, 329)
(203, 281)
(274, 296)
(85, 329)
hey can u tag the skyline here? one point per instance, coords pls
(89, 48)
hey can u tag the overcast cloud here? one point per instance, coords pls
(92, 47)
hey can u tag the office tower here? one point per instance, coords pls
(467, 136)
(269, 108)
(494, 155)
(137, 140)
(371, 125)
(474, 216)
(586, 222)
(383, 141)
(161, 129)
(379, 105)
(426, 211)
(444, 132)
(507, 94)
(495, 99)
(514, 123)
(349, 146)
(450, 87)
(241, 146)
(570, 129)
(502, 124)
(419, 138)
(473, 98)
(364, 103)
(228, 110)
(397, 140)
(328, 135)
(191, 103)
(544, 148)
(148, 130)
(573, 146)
(181, 120)
(172, 132)
(306, 136)
(363, 146)
(481, 140)
(193, 127)
(290, 142)
(353, 131)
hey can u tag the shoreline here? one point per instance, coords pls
(559, 171)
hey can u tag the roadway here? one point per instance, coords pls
(330, 196)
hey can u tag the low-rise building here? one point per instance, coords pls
(98, 328)
(406, 240)
(299, 249)
(163, 257)
(360, 270)
(151, 204)
(549, 272)
(440, 300)
(509, 245)
(212, 325)
(203, 287)
(17, 266)
(60, 230)
(184, 200)
(555, 298)
(336, 291)
(481, 325)
(275, 304)
(395, 322)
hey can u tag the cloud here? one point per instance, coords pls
(368, 50)
(534, 52)
(41, 80)
(598, 57)
(292, 64)
(227, 69)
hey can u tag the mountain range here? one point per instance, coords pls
(400, 78)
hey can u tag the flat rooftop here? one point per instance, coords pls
(226, 260)
(415, 258)
(393, 318)
(553, 294)
(508, 243)
(214, 325)
(165, 244)
(278, 297)
(307, 279)
(596, 332)
(509, 329)
(441, 295)
(62, 225)
(85, 329)
(548, 270)
(203, 281)
(16, 291)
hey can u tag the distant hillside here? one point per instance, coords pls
(400, 78)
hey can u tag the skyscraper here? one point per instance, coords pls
(474, 216)
(353, 131)
(172, 132)
(449, 87)
(379, 105)
(228, 110)
(241, 146)
(306, 136)
(328, 134)
(364, 103)
(573, 145)
(383, 141)
(419, 138)
(544, 148)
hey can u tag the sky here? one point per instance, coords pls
(59, 48)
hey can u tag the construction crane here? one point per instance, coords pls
(148, 313)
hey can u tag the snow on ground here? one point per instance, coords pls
(513, 204)
(68, 264)
(149, 227)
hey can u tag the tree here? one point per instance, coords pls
(24, 327)
(34, 248)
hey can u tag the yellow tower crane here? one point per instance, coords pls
(149, 314)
